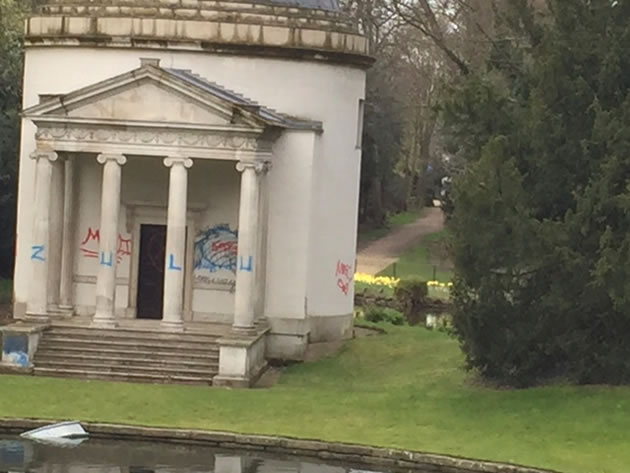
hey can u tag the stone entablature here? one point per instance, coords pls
(208, 144)
(200, 25)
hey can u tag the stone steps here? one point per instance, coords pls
(126, 354)
(135, 368)
(46, 357)
(127, 376)
(130, 344)
(135, 333)
(46, 349)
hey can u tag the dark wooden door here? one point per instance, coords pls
(151, 271)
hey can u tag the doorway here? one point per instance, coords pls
(151, 271)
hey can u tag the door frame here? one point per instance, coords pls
(147, 214)
(157, 316)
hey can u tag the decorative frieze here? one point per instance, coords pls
(196, 139)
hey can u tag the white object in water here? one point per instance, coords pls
(62, 430)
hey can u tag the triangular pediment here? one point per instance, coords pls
(171, 98)
(147, 95)
(149, 101)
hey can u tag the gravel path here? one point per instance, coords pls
(379, 254)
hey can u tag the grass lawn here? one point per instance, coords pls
(420, 260)
(6, 287)
(405, 389)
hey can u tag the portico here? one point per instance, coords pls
(219, 131)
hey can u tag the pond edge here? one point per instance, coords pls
(335, 451)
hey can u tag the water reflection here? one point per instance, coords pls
(108, 456)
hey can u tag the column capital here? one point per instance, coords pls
(104, 157)
(179, 160)
(40, 154)
(258, 166)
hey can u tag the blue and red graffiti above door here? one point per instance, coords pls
(216, 249)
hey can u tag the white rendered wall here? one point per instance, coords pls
(318, 91)
(289, 225)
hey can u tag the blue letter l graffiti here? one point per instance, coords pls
(171, 263)
(109, 262)
(250, 264)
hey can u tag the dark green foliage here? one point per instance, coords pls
(11, 23)
(384, 314)
(541, 221)
(411, 295)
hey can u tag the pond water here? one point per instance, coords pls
(117, 456)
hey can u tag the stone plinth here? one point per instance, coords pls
(241, 359)
(19, 344)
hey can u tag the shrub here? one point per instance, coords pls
(383, 314)
(411, 295)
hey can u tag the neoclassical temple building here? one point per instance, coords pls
(188, 187)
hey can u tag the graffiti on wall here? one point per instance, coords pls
(345, 276)
(246, 264)
(15, 349)
(38, 253)
(216, 250)
(227, 283)
(89, 247)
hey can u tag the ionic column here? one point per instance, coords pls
(248, 234)
(55, 238)
(67, 253)
(261, 267)
(110, 210)
(38, 292)
(175, 242)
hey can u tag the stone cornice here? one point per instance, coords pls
(55, 121)
(266, 35)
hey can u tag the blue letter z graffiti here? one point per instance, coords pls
(38, 253)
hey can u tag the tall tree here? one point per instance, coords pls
(540, 219)
(12, 13)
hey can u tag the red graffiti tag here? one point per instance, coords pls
(344, 275)
(230, 247)
(89, 245)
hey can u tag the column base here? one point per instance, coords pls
(244, 330)
(59, 312)
(172, 326)
(103, 322)
(37, 317)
